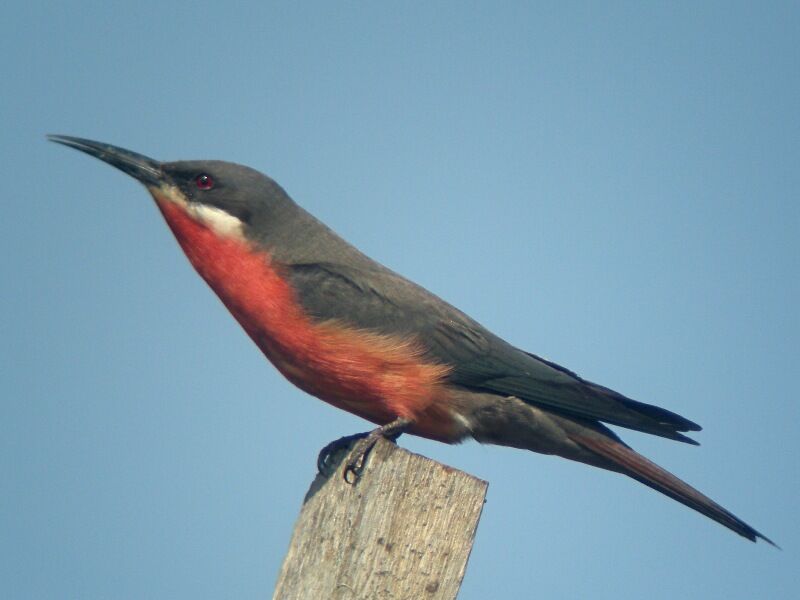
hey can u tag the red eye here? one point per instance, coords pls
(204, 182)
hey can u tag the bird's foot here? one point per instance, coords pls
(359, 446)
(331, 455)
(361, 449)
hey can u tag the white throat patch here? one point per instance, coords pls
(222, 222)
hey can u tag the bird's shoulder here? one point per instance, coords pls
(380, 300)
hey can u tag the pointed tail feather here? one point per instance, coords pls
(641, 469)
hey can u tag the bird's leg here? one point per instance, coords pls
(358, 455)
(326, 458)
(363, 444)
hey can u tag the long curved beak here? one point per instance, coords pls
(141, 167)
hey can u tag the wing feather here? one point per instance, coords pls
(382, 301)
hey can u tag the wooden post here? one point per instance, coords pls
(403, 531)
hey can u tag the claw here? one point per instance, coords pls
(326, 460)
(364, 442)
(353, 469)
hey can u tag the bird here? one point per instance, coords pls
(355, 334)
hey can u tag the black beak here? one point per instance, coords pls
(145, 169)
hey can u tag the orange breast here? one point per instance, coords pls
(378, 377)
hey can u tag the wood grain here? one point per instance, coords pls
(403, 531)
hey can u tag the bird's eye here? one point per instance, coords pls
(204, 182)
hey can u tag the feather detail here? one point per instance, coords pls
(376, 376)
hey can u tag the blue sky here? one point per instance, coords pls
(613, 186)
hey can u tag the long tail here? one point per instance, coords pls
(639, 468)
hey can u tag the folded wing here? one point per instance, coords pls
(383, 301)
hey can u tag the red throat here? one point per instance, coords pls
(375, 376)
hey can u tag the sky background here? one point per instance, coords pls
(611, 185)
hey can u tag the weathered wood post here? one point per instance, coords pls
(403, 531)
